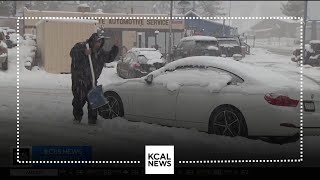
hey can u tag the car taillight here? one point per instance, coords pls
(280, 100)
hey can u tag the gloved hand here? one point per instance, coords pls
(114, 50)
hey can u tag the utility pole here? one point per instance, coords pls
(229, 13)
(170, 31)
(304, 29)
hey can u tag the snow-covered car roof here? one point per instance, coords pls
(150, 53)
(251, 74)
(199, 38)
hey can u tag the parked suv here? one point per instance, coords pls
(196, 46)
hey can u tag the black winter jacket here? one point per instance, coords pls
(80, 66)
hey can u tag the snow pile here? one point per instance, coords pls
(3, 55)
(13, 37)
(28, 42)
(212, 80)
(27, 51)
(191, 140)
(29, 37)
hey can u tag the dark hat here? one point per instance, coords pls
(95, 37)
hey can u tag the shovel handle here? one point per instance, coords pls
(91, 67)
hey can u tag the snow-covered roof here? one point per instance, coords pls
(314, 42)
(199, 38)
(84, 5)
(250, 73)
(68, 20)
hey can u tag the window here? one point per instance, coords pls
(205, 44)
(187, 45)
(235, 78)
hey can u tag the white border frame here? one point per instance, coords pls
(180, 162)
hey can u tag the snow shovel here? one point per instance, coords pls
(95, 95)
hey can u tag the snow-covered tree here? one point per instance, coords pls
(9, 6)
(293, 8)
(209, 8)
(105, 6)
(161, 7)
(203, 8)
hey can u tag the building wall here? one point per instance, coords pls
(55, 40)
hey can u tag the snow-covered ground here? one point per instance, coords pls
(46, 119)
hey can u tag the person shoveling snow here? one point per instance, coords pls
(82, 79)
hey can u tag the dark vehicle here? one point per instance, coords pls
(312, 54)
(139, 62)
(229, 46)
(196, 46)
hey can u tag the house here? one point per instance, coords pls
(276, 28)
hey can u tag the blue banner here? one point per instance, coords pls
(61, 153)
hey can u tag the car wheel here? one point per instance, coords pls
(4, 65)
(114, 108)
(227, 121)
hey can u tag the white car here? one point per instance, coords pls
(218, 96)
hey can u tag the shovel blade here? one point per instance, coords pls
(96, 97)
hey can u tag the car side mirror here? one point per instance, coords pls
(149, 79)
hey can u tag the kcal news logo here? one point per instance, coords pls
(159, 160)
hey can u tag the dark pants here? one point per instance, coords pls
(80, 91)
